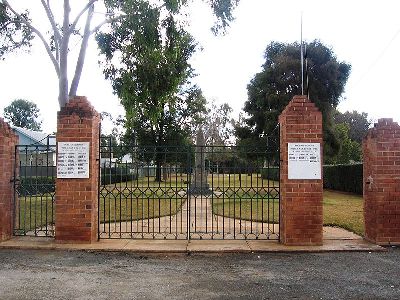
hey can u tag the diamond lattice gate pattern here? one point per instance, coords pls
(189, 192)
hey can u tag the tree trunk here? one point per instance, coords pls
(63, 80)
(158, 172)
(82, 54)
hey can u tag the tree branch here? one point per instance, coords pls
(96, 28)
(50, 16)
(88, 5)
(63, 79)
(8, 23)
(82, 54)
(38, 33)
(57, 52)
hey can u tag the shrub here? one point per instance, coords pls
(115, 175)
(29, 186)
(271, 173)
(345, 178)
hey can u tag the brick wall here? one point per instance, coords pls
(381, 154)
(76, 199)
(301, 199)
(8, 140)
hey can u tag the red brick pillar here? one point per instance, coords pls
(381, 155)
(8, 140)
(76, 198)
(301, 193)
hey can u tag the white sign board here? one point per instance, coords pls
(304, 161)
(73, 160)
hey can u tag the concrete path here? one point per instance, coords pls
(335, 239)
(189, 246)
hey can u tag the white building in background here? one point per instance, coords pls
(35, 148)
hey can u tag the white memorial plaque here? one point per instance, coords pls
(73, 160)
(304, 161)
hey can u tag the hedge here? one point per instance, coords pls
(115, 175)
(345, 178)
(30, 186)
(271, 173)
(116, 178)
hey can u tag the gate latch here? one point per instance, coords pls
(14, 180)
(369, 182)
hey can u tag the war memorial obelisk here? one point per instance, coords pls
(199, 183)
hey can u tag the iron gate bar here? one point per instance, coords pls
(34, 189)
(230, 179)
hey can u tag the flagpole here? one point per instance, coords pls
(301, 54)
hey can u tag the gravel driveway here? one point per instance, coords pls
(82, 275)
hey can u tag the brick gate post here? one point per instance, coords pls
(8, 140)
(381, 155)
(301, 184)
(76, 197)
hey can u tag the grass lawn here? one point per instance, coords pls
(340, 209)
(344, 210)
(243, 197)
(126, 209)
(145, 198)
(257, 210)
(34, 212)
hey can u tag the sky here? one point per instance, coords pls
(365, 34)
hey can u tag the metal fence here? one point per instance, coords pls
(34, 190)
(189, 192)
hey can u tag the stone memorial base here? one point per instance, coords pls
(198, 188)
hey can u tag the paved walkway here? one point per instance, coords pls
(346, 243)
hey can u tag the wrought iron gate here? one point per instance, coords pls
(165, 193)
(34, 188)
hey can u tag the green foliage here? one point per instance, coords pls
(280, 79)
(223, 11)
(152, 75)
(217, 124)
(13, 34)
(358, 123)
(271, 173)
(350, 151)
(30, 186)
(116, 175)
(23, 113)
(138, 16)
(345, 178)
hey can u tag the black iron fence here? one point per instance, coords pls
(34, 190)
(188, 192)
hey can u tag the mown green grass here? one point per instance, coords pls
(256, 210)
(146, 198)
(34, 212)
(339, 209)
(130, 209)
(344, 210)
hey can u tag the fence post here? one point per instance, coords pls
(8, 141)
(301, 184)
(76, 189)
(381, 181)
